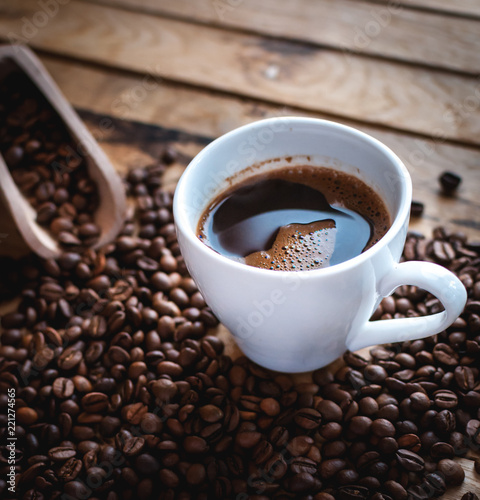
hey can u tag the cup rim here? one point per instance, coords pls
(182, 223)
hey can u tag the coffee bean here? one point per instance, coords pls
(451, 471)
(61, 454)
(472, 430)
(169, 478)
(95, 402)
(133, 446)
(410, 460)
(470, 496)
(211, 413)
(419, 402)
(445, 355)
(63, 387)
(382, 428)
(444, 422)
(396, 490)
(248, 439)
(300, 483)
(445, 399)
(270, 407)
(330, 411)
(416, 209)
(442, 450)
(436, 483)
(196, 474)
(464, 378)
(51, 291)
(26, 416)
(147, 464)
(308, 418)
(449, 182)
(352, 493)
(69, 359)
(77, 489)
(195, 444)
(70, 470)
(410, 442)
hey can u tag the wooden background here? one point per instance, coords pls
(145, 73)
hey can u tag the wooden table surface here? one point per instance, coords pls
(143, 73)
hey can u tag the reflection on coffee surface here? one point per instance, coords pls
(295, 218)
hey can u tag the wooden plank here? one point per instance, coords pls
(342, 85)
(208, 115)
(387, 30)
(469, 8)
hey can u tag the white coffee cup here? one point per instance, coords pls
(299, 321)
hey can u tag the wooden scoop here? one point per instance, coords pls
(17, 217)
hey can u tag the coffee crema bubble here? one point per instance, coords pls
(294, 219)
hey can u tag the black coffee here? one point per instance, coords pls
(295, 218)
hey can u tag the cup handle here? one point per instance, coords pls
(431, 277)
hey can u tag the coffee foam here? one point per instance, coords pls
(298, 247)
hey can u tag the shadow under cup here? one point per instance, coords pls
(283, 320)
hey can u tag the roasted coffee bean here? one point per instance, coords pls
(61, 454)
(410, 442)
(70, 470)
(211, 413)
(444, 422)
(77, 489)
(416, 209)
(449, 182)
(396, 490)
(133, 446)
(195, 444)
(308, 418)
(420, 401)
(445, 399)
(147, 464)
(410, 460)
(442, 450)
(352, 493)
(248, 439)
(63, 387)
(470, 496)
(451, 471)
(472, 430)
(436, 483)
(95, 402)
(464, 378)
(69, 358)
(301, 464)
(300, 483)
(330, 411)
(382, 428)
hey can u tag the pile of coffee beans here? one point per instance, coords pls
(123, 393)
(48, 167)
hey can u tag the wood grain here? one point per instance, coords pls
(388, 30)
(340, 84)
(207, 115)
